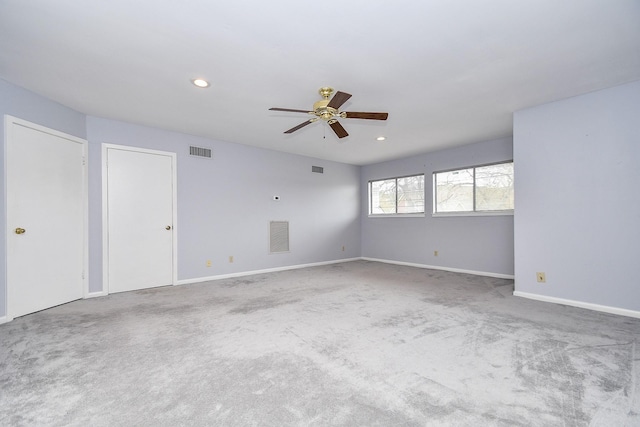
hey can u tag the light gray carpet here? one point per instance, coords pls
(352, 344)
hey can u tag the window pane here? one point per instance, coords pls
(383, 196)
(494, 187)
(411, 194)
(454, 191)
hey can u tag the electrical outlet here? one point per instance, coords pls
(541, 277)
(342, 248)
(435, 253)
(208, 263)
(230, 258)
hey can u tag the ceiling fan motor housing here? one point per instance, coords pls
(321, 110)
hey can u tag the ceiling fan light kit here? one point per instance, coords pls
(329, 111)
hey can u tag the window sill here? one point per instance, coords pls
(484, 213)
(415, 215)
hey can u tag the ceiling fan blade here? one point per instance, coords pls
(370, 116)
(289, 109)
(338, 99)
(300, 126)
(338, 129)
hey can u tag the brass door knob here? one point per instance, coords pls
(20, 230)
(168, 227)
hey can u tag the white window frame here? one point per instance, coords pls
(473, 212)
(394, 215)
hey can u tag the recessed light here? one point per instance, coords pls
(200, 83)
(381, 138)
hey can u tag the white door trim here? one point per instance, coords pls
(9, 121)
(105, 212)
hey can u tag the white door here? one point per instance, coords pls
(46, 217)
(140, 217)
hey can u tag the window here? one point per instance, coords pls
(487, 188)
(394, 196)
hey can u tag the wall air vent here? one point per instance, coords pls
(278, 236)
(200, 152)
(317, 169)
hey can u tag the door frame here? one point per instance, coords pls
(105, 211)
(9, 122)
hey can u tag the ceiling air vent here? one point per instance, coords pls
(278, 236)
(200, 152)
(317, 169)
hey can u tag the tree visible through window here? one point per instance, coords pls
(402, 195)
(476, 189)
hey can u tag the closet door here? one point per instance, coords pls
(140, 231)
(46, 217)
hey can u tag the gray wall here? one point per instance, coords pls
(225, 204)
(26, 105)
(577, 180)
(474, 243)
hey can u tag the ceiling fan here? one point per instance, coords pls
(328, 110)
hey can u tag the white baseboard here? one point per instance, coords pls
(437, 267)
(4, 319)
(268, 270)
(95, 294)
(580, 304)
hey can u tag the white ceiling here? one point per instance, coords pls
(449, 72)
